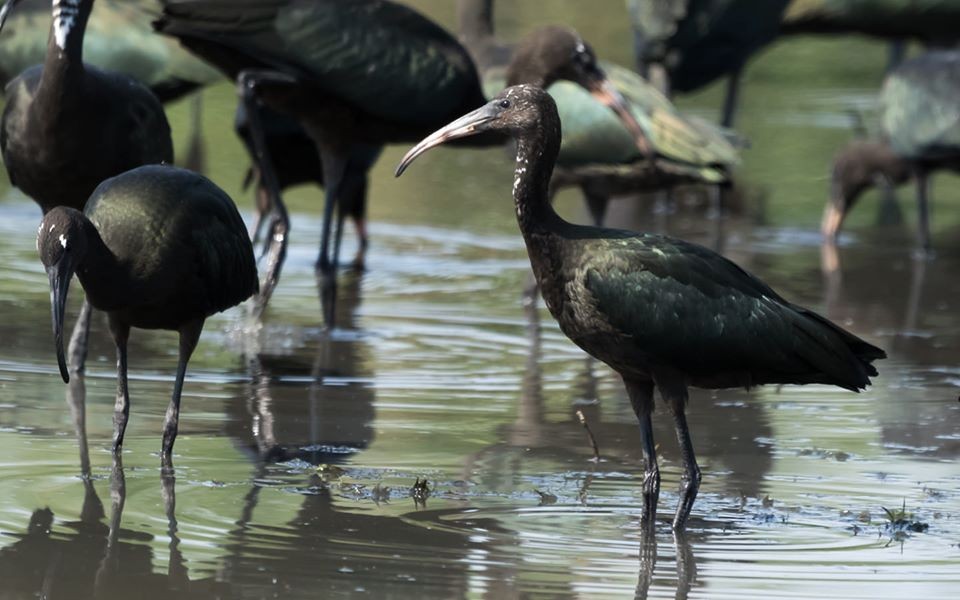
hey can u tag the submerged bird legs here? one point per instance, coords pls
(189, 336)
(673, 391)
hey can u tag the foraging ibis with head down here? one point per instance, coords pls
(920, 121)
(661, 312)
(157, 247)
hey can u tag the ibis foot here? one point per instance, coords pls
(689, 486)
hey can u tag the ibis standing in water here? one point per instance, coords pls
(365, 72)
(157, 247)
(661, 312)
(920, 121)
(68, 126)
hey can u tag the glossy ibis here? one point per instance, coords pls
(920, 121)
(857, 167)
(157, 247)
(68, 126)
(599, 153)
(365, 72)
(660, 311)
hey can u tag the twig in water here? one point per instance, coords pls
(593, 440)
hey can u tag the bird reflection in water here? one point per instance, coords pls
(686, 565)
(291, 409)
(88, 559)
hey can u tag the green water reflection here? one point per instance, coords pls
(439, 372)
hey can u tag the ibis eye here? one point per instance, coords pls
(504, 103)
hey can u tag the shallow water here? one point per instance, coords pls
(437, 371)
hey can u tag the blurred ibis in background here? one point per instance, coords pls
(157, 247)
(920, 128)
(688, 44)
(857, 167)
(368, 72)
(296, 160)
(67, 126)
(660, 311)
(118, 37)
(599, 153)
(684, 45)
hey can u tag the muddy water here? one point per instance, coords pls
(300, 448)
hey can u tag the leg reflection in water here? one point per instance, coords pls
(686, 564)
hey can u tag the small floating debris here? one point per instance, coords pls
(380, 493)
(546, 498)
(329, 472)
(420, 492)
(900, 523)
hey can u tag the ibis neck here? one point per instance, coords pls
(64, 60)
(536, 155)
(521, 70)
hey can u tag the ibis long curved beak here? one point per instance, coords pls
(603, 90)
(469, 124)
(833, 215)
(60, 275)
(5, 11)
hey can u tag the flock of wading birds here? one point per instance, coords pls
(155, 246)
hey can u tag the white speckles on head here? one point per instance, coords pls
(63, 241)
(52, 227)
(65, 16)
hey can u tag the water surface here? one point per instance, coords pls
(299, 447)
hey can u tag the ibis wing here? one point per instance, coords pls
(689, 307)
(920, 113)
(383, 57)
(225, 259)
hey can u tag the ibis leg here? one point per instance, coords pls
(248, 82)
(923, 210)
(674, 393)
(641, 398)
(355, 206)
(263, 207)
(338, 235)
(596, 206)
(77, 350)
(189, 335)
(731, 97)
(363, 243)
(195, 156)
(334, 165)
(121, 408)
(715, 212)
